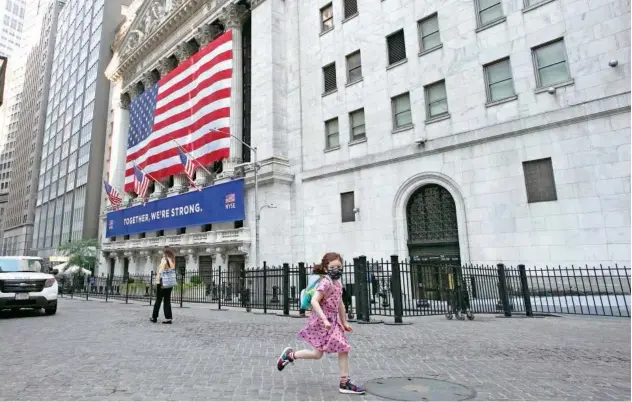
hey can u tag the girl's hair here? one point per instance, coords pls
(167, 251)
(321, 268)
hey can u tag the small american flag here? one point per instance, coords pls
(113, 195)
(189, 169)
(141, 183)
(191, 104)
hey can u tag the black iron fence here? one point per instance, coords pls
(388, 288)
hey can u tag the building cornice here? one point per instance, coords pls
(152, 25)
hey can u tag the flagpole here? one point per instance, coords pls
(191, 156)
(151, 177)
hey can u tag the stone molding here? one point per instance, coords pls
(233, 16)
(153, 24)
(125, 101)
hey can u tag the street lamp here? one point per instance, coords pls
(257, 208)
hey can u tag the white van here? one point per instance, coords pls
(24, 284)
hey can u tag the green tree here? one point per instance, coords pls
(81, 253)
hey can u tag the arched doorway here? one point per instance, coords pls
(433, 242)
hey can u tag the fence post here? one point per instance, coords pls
(151, 286)
(107, 283)
(183, 273)
(524, 284)
(127, 289)
(87, 288)
(302, 284)
(396, 289)
(219, 286)
(265, 287)
(364, 289)
(502, 288)
(286, 288)
(356, 288)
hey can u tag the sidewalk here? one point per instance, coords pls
(97, 350)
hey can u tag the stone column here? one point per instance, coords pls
(202, 178)
(133, 91)
(120, 131)
(180, 182)
(159, 191)
(232, 17)
(165, 66)
(183, 52)
(148, 80)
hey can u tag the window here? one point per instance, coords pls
(351, 8)
(550, 64)
(402, 116)
(332, 139)
(488, 12)
(326, 18)
(498, 81)
(207, 227)
(141, 235)
(436, 100)
(160, 233)
(356, 123)
(396, 47)
(529, 3)
(539, 180)
(181, 231)
(329, 78)
(429, 38)
(347, 207)
(354, 67)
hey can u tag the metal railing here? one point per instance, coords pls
(388, 288)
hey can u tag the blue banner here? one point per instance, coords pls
(220, 203)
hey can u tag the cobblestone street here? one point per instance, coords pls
(92, 350)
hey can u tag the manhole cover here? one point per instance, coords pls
(418, 389)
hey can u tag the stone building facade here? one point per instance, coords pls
(435, 131)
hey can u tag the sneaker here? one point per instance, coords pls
(350, 388)
(284, 359)
(167, 322)
(152, 319)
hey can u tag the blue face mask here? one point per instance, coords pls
(334, 273)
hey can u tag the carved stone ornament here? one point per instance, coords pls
(134, 91)
(124, 101)
(154, 15)
(206, 33)
(183, 52)
(165, 66)
(148, 80)
(233, 16)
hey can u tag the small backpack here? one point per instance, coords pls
(168, 278)
(309, 291)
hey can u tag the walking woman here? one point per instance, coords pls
(165, 278)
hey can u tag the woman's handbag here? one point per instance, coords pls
(168, 278)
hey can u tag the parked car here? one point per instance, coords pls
(24, 284)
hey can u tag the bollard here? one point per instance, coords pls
(502, 288)
(524, 284)
(107, 283)
(219, 299)
(302, 284)
(265, 287)
(286, 288)
(396, 283)
(127, 290)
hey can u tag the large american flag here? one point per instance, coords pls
(113, 195)
(190, 104)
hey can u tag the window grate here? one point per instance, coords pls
(396, 47)
(539, 180)
(351, 8)
(347, 206)
(329, 77)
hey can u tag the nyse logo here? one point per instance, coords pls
(111, 224)
(229, 201)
